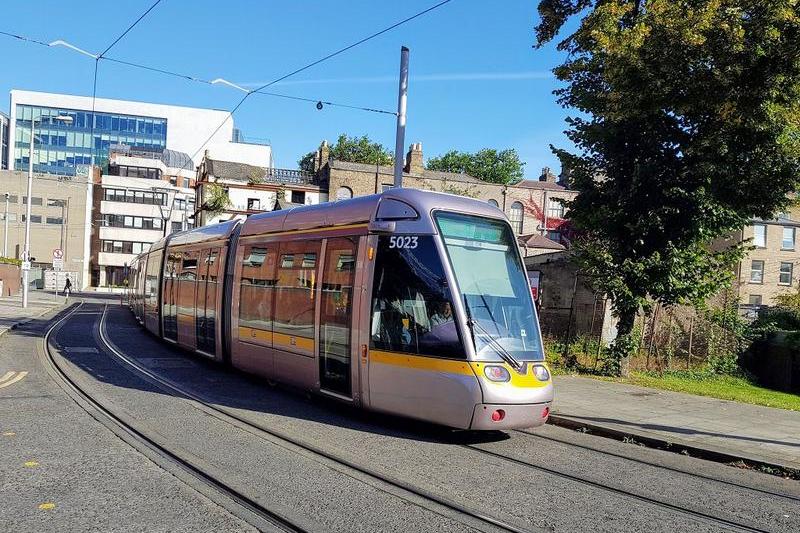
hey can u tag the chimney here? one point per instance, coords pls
(414, 164)
(547, 175)
(323, 155)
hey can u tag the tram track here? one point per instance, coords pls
(226, 415)
(109, 418)
(696, 514)
(660, 466)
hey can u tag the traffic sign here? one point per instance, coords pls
(58, 253)
(26, 265)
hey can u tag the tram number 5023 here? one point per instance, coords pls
(408, 241)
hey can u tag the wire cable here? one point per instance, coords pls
(118, 39)
(23, 38)
(314, 63)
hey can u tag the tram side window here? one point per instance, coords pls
(412, 309)
(257, 287)
(295, 288)
(186, 282)
(151, 280)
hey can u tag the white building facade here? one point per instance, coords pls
(72, 134)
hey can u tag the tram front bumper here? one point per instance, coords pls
(488, 416)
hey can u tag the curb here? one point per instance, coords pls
(651, 440)
(25, 320)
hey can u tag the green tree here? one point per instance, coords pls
(687, 127)
(307, 162)
(361, 150)
(488, 164)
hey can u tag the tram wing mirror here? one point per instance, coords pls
(382, 226)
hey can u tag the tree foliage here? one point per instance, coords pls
(488, 164)
(687, 127)
(307, 162)
(361, 150)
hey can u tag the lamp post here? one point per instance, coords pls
(26, 254)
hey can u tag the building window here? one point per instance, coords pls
(298, 197)
(754, 299)
(55, 202)
(12, 217)
(35, 219)
(34, 200)
(386, 186)
(253, 204)
(53, 220)
(344, 193)
(555, 209)
(554, 236)
(177, 226)
(515, 217)
(787, 243)
(785, 277)
(493, 202)
(12, 198)
(760, 235)
(757, 272)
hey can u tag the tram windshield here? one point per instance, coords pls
(494, 286)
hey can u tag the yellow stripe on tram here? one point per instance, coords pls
(421, 362)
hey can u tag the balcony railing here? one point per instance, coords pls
(290, 176)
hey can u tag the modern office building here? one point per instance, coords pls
(73, 131)
(4, 124)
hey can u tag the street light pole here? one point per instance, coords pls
(26, 254)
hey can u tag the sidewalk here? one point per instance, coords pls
(751, 432)
(39, 303)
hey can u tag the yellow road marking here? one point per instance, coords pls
(17, 377)
(31, 463)
(8, 433)
(46, 506)
(7, 375)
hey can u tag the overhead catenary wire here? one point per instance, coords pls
(197, 79)
(314, 63)
(129, 28)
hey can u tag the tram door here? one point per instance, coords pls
(206, 304)
(336, 310)
(169, 296)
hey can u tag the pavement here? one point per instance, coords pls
(39, 303)
(720, 427)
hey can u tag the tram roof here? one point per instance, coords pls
(213, 232)
(365, 209)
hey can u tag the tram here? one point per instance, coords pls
(406, 302)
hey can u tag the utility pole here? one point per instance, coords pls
(400, 137)
(5, 230)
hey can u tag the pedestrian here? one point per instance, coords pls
(67, 287)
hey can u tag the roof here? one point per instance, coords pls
(539, 185)
(534, 240)
(233, 171)
(427, 174)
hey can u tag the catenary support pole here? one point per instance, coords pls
(400, 138)
(5, 230)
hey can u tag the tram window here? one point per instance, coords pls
(345, 263)
(256, 289)
(309, 260)
(186, 283)
(287, 261)
(412, 308)
(294, 290)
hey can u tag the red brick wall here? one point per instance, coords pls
(10, 274)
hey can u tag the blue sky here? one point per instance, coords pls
(476, 81)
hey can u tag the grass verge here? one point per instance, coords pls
(738, 389)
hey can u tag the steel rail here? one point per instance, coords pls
(219, 486)
(698, 515)
(223, 413)
(664, 467)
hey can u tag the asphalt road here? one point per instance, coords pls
(553, 479)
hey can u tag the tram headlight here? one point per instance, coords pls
(541, 373)
(496, 373)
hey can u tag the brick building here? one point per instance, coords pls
(533, 206)
(773, 266)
